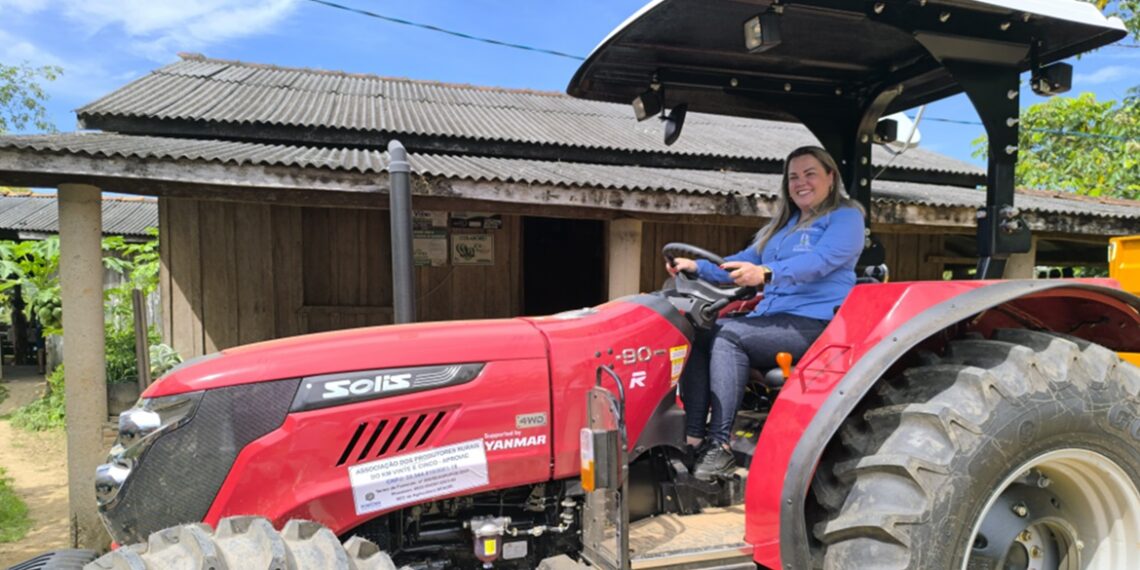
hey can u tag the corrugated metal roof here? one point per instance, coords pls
(236, 93)
(536, 172)
(40, 213)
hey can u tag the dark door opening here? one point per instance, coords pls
(563, 264)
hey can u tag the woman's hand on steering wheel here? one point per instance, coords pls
(677, 264)
(746, 274)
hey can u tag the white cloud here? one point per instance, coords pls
(156, 29)
(25, 6)
(1103, 75)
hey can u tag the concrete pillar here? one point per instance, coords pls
(1022, 265)
(625, 257)
(81, 281)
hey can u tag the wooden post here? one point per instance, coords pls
(624, 257)
(142, 339)
(81, 283)
(1022, 265)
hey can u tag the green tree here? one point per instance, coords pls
(22, 96)
(1127, 10)
(1082, 145)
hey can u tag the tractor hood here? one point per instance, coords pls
(825, 53)
(356, 349)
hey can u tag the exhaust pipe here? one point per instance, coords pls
(400, 207)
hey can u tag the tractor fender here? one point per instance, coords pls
(863, 375)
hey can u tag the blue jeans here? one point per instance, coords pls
(718, 369)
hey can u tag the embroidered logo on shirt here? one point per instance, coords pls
(805, 242)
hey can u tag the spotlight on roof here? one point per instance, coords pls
(1052, 79)
(762, 32)
(674, 121)
(647, 104)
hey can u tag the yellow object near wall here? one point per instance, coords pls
(1124, 262)
(1133, 357)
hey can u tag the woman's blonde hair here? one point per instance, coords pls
(836, 196)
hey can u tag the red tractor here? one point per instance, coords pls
(934, 425)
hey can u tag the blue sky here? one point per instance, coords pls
(103, 44)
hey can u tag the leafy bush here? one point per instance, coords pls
(47, 412)
(162, 359)
(14, 521)
(122, 364)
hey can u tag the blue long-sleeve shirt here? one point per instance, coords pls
(813, 267)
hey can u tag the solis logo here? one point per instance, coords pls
(357, 386)
(361, 386)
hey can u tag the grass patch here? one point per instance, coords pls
(45, 413)
(14, 521)
(3, 393)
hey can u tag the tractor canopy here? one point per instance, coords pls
(787, 60)
(838, 66)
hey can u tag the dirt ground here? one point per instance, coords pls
(37, 465)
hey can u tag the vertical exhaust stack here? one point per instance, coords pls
(400, 207)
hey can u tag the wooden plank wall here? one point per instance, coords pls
(475, 291)
(718, 239)
(236, 273)
(907, 256)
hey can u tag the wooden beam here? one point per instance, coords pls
(624, 255)
(1022, 265)
(286, 185)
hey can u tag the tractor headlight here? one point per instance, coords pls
(139, 427)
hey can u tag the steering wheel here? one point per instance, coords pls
(674, 250)
(703, 299)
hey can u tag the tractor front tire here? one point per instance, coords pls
(1018, 452)
(246, 543)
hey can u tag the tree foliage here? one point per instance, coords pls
(1082, 145)
(1127, 10)
(22, 96)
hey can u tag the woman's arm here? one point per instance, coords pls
(710, 272)
(840, 244)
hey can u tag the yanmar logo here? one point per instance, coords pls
(360, 386)
(515, 442)
(348, 387)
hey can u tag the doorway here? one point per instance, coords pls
(563, 264)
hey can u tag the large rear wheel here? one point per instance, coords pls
(1021, 452)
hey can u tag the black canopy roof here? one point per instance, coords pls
(832, 51)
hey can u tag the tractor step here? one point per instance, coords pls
(713, 538)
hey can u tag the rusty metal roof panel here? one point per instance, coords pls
(225, 92)
(40, 213)
(531, 172)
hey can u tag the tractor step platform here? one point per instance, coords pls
(713, 538)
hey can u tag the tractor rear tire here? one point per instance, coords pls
(246, 543)
(1017, 452)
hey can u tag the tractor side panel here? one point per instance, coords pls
(868, 316)
(877, 325)
(371, 348)
(493, 432)
(642, 338)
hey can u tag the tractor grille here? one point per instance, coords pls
(389, 436)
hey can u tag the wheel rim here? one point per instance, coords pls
(1068, 509)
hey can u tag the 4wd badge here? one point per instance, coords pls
(530, 420)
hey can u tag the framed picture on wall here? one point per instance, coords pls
(472, 249)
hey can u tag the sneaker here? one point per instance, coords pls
(715, 463)
(695, 452)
